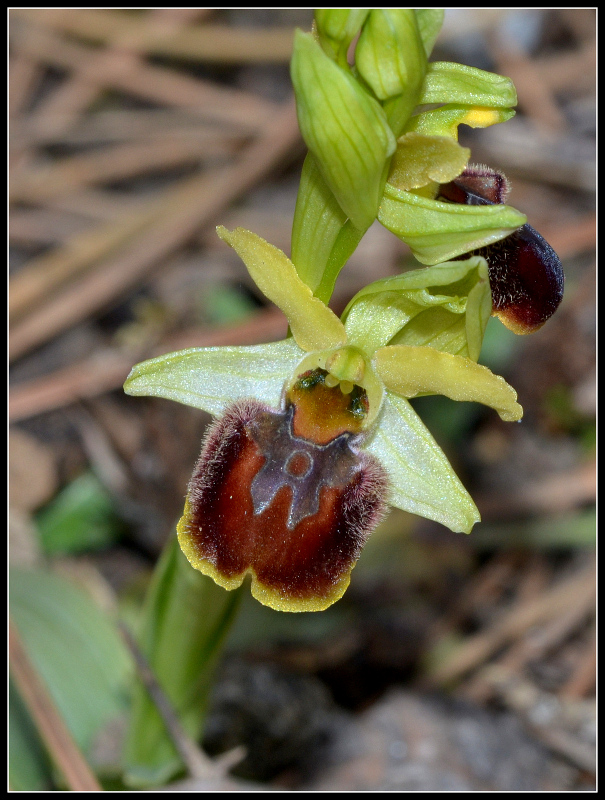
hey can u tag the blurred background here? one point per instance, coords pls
(452, 662)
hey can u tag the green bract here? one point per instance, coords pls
(392, 343)
(345, 129)
(429, 22)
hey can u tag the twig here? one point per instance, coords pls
(198, 764)
(216, 43)
(525, 699)
(49, 722)
(60, 108)
(227, 106)
(111, 163)
(127, 125)
(478, 648)
(192, 204)
(107, 371)
(578, 753)
(584, 677)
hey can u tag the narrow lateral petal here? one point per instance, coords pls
(410, 371)
(313, 325)
(213, 377)
(422, 480)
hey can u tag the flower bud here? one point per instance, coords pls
(391, 58)
(337, 27)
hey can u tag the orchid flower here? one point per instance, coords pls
(316, 435)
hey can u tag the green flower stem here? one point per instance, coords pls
(345, 245)
(186, 620)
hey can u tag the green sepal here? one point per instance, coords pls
(422, 479)
(337, 27)
(438, 231)
(447, 82)
(314, 326)
(211, 378)
(446, 307)
(429, 22)
(444, 121)
(420, 160)
(344, 128)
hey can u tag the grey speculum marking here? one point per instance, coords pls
(302, 465)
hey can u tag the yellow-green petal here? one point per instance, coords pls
(444, 121)
(313, 325)
(411, 371)
(422, 479)
(420, 159)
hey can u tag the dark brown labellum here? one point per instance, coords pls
(525, 274)
(292, 512)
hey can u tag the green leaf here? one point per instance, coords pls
(423, 481)
(437, 231)
(345, 129)
(211, 378)
(81, 517)
(429, 22)
(225, 305)
(573, 530)
(186, 619)
(75, 649)
(447, 82)
(29, 768)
